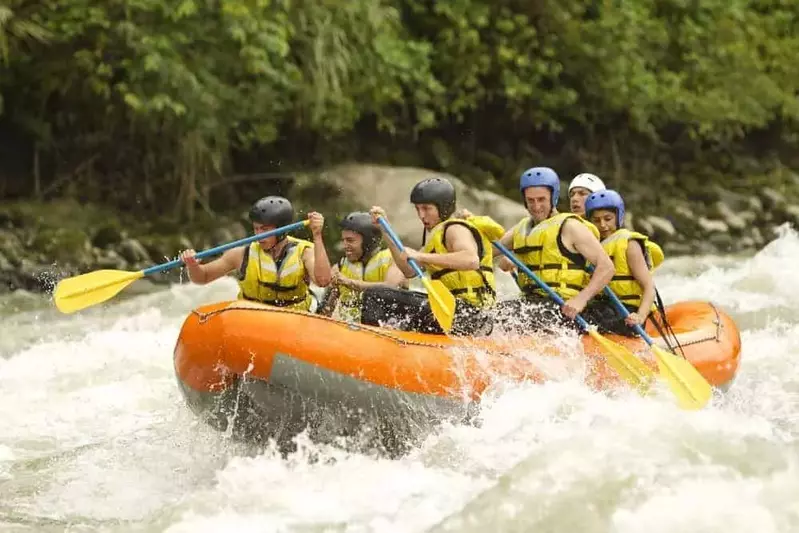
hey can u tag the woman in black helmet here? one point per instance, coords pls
(455, 252)
(276, 270)
(364, 265)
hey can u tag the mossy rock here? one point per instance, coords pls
(63, 245)
(108, 235)
(11, 246)
(162, 248)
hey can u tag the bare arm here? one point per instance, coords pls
(395, 277)
(213, 270)
(403, 266)
(578, 238)
(640, 271)
(462, 255)
(316, 263)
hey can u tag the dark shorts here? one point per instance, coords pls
(410, 311)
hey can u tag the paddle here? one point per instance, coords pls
(629, 367)
(442, 302)
(691, 388)
(78, 292)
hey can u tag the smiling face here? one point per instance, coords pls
(353, 245)
(605, 221)
(539, 202)
(577, 198)
(428, 214)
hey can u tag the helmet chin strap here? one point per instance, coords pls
(277, 243)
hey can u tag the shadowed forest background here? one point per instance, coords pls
(187, 109)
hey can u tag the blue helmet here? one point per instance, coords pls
(607, 199)
(541, 177)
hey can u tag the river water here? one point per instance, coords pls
(95, 436)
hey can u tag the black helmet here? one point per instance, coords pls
(436, 191)
(272, 211)
(361, 223)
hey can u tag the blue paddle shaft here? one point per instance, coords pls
(224, 247)
(552, 294)
(623, 310)
(399, 245)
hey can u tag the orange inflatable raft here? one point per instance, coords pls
(274, 372)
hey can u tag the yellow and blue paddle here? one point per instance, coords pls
(442, 302)
(79, 292)
(691, 388)
(629, 367)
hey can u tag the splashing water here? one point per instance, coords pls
(96, 436)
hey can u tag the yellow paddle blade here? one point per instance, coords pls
(442, 302)
(79, 292)
(691, 388)
(623, 361)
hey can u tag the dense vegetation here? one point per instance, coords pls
(143, 102)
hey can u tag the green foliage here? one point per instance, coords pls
(155, 96)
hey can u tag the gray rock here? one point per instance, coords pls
(757, 236)
(734, 200)
(661, 226)
(629, 220)
(111, 259)
(390, 187)
(644, 226)
(677, 248)
(771, 198)
(792, 212)
(11, 247)
(5, 264)
(731, 218)
(755, 204)
(108, 235)
(747, 243)
(712, 226)
(133, 251)
(749, 217)
(722, 241)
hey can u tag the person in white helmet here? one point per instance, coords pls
(582, 186)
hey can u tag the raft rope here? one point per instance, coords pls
(387, 334)
(357, 327)
(669, 332)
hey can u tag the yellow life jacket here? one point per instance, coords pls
(475, 286)
(623, 284)
(540, 248)
(262, 280)
(374, 271)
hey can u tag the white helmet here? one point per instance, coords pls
(589, 181)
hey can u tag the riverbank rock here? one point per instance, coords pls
(390, 188)
(41, 243)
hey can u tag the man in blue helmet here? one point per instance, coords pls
(556, 247)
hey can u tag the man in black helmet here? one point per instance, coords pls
(363, 266)
(454, 252)
(277, 270)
